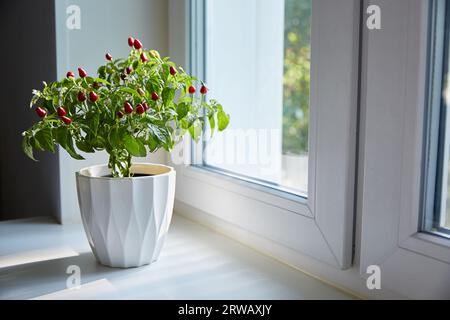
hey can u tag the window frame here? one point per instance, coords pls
(412, 236)
(320, 226)
(432, 117)
(436, 125)
(392, 158)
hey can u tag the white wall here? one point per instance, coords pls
(105, 27)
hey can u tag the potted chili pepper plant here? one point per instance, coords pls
(134, 106)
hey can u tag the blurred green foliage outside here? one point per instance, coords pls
(297, 62)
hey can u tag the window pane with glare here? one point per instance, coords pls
(258, 65)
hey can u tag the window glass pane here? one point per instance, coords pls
(258, 67)
(442, 216)
(436, 204)
(445, 216)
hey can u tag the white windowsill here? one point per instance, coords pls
(196, 263)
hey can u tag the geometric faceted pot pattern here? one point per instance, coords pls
(126, 219)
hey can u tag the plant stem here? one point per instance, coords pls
(128, 166)
(120, 164)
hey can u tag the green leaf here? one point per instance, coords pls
(101, 72)
(89, 80)
(114, 78)
(165, 72)
(184, 123)
(71, 150)
(102, 81)
(155, 84)
(212, 123)
(115, 137)
(35, 144)
(142, 150)
(182, 110)
(152, 144)
(65, 140)
(45, 139)
(196, 130)
(27, 148)
(61, 136)
(84, 146)
(156, 132)
(162, 135)
(94, 123)
(134, 146)
(129, 90)
(223, 119)
(168, 95)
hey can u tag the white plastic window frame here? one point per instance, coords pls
(321, 225)
(437, 129)
(394, 82)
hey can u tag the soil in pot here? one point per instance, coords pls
(136, 175)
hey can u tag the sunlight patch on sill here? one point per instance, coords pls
(36, 256)
(90, 290)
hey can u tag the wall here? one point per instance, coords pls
(105, 27)
(28, 55)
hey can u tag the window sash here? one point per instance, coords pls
(394, 93)
(436, 124)
(198, 65)
(321, 225)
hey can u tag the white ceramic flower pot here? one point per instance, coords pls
(126, 219)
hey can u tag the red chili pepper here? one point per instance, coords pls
(81, 96)
(66, 120)
(203, 90)
(144, 57)
(128, 108)
(82, 73)
(173, 71)
(192, 90)
(137, 44)
(41, 112)
(108, 57)
(70, 74)
(145, 105)
(129, 70)
(61, 111)
(120, 114)
(140, 109)
(155, 96)
(93, 96)
(131, 41)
